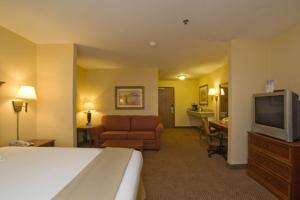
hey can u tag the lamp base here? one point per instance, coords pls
(20, 143)
(89, 118)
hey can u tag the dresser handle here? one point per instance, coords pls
(267, 162)
(266, 146)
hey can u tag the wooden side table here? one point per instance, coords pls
(86, 135)
(43, 143)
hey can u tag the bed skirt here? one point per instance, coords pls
(142, 192)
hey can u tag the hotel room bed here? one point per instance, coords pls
(41, 173)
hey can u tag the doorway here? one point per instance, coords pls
(166, 108)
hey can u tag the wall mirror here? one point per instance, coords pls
(223, 107)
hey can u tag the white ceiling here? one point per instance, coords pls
(115, 33)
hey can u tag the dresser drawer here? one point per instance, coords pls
(271, 147)
(274, 183)
(281, 169)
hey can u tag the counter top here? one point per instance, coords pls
(205, 113)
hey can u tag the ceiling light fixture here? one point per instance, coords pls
(181, 77)
(152, 43)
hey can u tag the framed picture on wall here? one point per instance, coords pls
(129, 97)
(203, 95)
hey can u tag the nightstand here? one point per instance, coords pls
(85, 136)
(43, 143)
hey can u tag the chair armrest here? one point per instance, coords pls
(212, 129)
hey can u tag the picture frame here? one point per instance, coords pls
(203, 95)
(129, 97)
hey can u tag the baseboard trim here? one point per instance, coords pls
(237, 166)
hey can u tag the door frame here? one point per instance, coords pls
(174, 103)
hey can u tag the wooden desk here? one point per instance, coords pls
(135, 144)
(43, 143)
(219, 125)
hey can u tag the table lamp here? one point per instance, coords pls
(88, 107)
(24, 93)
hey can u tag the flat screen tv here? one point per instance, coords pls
(277, 114)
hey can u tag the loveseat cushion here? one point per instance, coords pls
(146, 135)
(114, 135)
(144, 123)
(116, 123)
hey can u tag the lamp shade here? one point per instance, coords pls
(212, 92)
(88, 106)
(26, 92)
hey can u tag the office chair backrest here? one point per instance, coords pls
(205, 128)
(212, 140)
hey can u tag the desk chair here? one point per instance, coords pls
(217, 144)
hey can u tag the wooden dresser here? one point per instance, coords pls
(275, 164)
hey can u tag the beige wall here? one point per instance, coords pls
(247, 75)
(285, 60)
(17, 67)
(98, 86)
(186, 93)
(56, 77)
(252, 62)
(214, 79)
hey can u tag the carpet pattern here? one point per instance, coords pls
(182, 170)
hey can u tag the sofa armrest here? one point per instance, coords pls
(99, 128)
(159, 128)
(96, 132)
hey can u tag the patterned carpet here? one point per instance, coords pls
(182, 170)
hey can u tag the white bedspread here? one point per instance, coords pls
(40, 173)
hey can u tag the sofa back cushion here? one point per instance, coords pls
(116, 123)
(144, 123)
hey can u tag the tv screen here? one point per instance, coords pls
(269, 111)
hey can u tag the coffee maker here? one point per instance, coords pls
(194, 107)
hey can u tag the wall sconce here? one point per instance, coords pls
(26, 93)
(213, 93)
(88, 107)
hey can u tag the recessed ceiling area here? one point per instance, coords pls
(114, 33)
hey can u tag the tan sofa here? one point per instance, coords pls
(119, 127)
